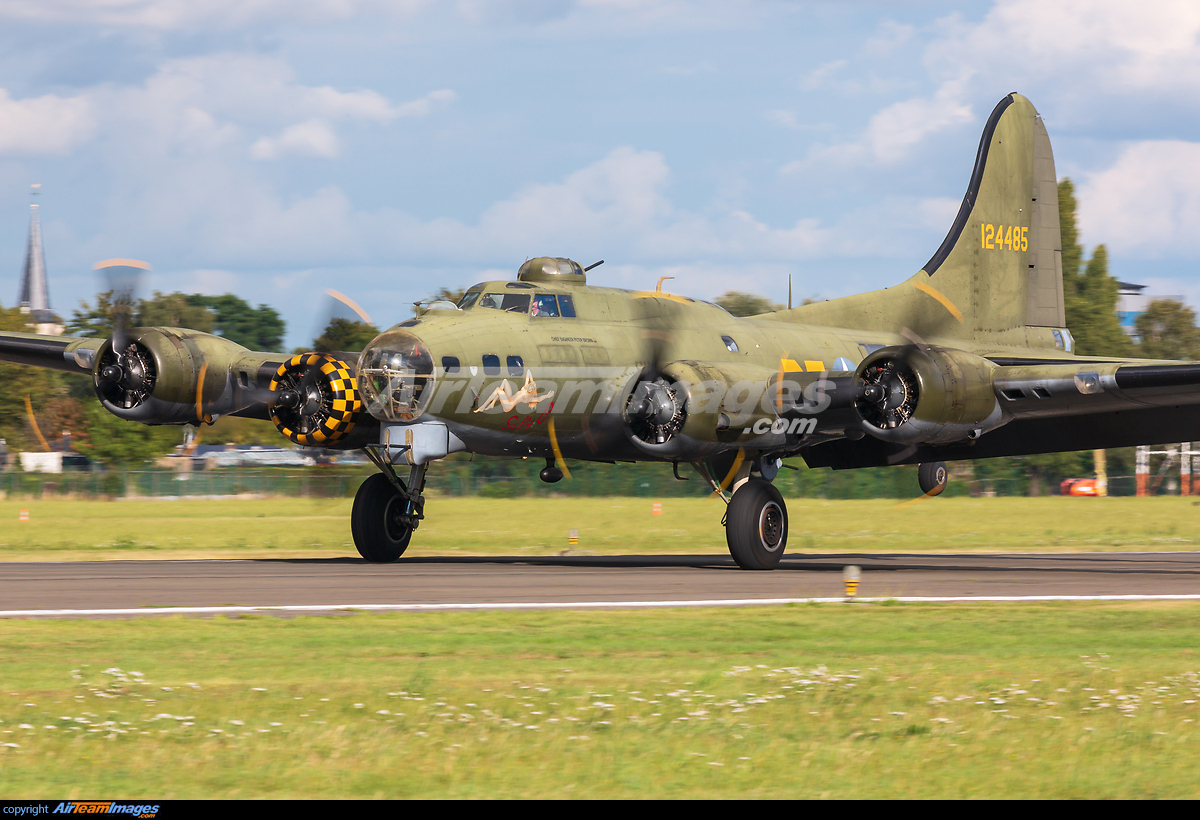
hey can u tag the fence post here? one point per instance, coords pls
(1185, 468)
(1142, 471)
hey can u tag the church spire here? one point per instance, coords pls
(35, 292)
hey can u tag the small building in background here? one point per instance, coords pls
(1132, 301)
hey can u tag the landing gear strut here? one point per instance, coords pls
(756, 525)
(386, 511)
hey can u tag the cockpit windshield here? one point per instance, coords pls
(546, 305)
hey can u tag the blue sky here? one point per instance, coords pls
(275, 148)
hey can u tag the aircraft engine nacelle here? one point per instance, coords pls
(161, 375)
(926, 395)
(669, 418)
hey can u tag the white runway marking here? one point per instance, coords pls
(236, 610)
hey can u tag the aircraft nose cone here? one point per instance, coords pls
(395, 375)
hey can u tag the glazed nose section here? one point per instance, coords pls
(395, 375)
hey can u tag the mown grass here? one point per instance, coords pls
(1042, 700)
(63, 529)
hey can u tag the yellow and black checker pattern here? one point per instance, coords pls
(337, 385)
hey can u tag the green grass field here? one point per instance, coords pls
(63, 529)
(872, 701)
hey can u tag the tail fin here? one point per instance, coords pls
(998, 273)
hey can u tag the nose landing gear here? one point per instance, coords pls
(385, 513)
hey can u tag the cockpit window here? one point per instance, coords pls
(544, 305)
(468, 300)
(514, 302)
(566, 305)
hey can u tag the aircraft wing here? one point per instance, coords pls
(1056, 405)
(73, 354)
(187, 374)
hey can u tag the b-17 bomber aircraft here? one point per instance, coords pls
(969, 358)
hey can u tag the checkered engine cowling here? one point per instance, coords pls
(329, 399)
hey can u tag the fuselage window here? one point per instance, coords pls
(730, 344)
(450, 364)
(468, 300)
(544, 305)
(566, 306)
(491, 365)
(516, 367)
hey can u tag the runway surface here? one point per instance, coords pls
(28, 589)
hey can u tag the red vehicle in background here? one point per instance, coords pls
(1079, 486)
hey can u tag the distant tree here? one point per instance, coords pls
(746, 304)
(450, 294)
(87, 320)
(120, 442)
(1089, 293)
(173, 310)
(241, 431)
(344, 335)
(19, 381)
(227, 315)
(258, 328)
(1167, 330)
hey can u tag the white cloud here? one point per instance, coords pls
(1148, 200)
(891, 35)
(1088, 46)
(201, 107)
(893, 133)
(423, 106)
(820, 75)
(199, 14)
(306, 139)
(43, 125)
(252, 88)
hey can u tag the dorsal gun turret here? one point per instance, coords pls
(552, 269)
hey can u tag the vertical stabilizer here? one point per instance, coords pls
(997, 275)
(1001, 262)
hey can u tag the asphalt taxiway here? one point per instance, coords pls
(147, 587)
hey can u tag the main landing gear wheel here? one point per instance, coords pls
(377, 521)
(756, 525)
(932, 477)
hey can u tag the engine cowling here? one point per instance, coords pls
(673, 416)
(926, 395)
(168, 376)
(315, 399)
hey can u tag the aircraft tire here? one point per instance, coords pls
(756, 525)
(378, 534)
(932, 476)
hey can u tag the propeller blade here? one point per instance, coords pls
(122, 279)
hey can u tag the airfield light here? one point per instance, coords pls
(851, 575)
